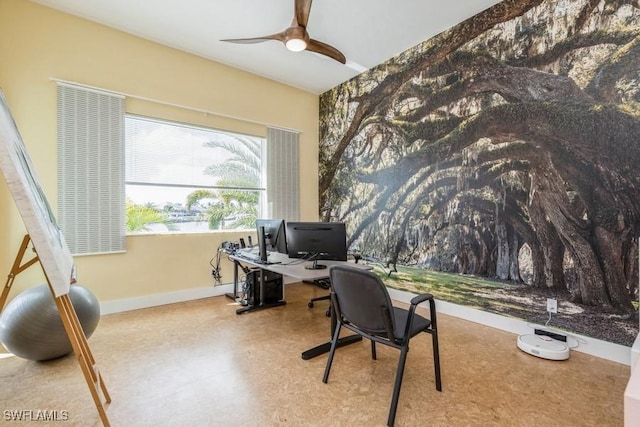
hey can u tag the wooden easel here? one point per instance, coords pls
(72, 327)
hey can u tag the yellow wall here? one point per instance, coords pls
(38, 43)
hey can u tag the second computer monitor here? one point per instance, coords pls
(317, 241)
(272, 235)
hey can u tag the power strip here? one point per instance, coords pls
(553, 335)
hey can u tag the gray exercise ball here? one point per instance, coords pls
(31, 328)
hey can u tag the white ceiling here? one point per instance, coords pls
(367, 32)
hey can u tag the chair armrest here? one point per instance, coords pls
(432, 308)
(421, 298)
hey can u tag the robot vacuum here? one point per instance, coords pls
(543, 346)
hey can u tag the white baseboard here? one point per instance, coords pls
(128, 304)
(635, 353)
(595, 347)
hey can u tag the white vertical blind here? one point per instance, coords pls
(283, 182)
(91, 170)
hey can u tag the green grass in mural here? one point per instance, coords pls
(517, 301)
(455, 288)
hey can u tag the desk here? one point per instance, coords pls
(292, 267)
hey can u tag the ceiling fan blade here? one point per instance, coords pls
(278, 36)
(302, 10)
(325, 49)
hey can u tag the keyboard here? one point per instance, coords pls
(253, 258)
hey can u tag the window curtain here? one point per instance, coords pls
(283, 182)
(91, 194)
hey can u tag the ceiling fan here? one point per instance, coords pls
(296, 38)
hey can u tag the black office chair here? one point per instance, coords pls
(324, 284)
(362, 304)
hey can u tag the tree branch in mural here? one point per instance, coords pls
(515, 131)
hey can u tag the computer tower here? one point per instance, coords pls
(265, 287)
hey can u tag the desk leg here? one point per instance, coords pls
(262, 306)
(234, 295)
(326, 347)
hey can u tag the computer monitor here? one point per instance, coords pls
(317, 241)
(271, 236)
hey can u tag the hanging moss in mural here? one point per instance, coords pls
(507, 148)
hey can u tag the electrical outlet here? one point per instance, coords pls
(552, 305)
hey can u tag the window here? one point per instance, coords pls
(123, 174)
(182, 178)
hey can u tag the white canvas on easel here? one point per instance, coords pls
(50, 247)
(36, 213)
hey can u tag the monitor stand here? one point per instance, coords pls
(315, 266)
(262, 245)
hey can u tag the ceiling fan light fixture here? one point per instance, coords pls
(295, 37)
(296, 45)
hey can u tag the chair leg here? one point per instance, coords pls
(334, 342)
(373, 350)
(436, 359)
(397, 385)
(316, 299)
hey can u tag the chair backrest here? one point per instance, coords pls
(362, 299)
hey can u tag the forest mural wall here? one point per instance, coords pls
(498, 164)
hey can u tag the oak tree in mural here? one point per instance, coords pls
(512, 138)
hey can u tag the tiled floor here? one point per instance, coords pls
(200, 364)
